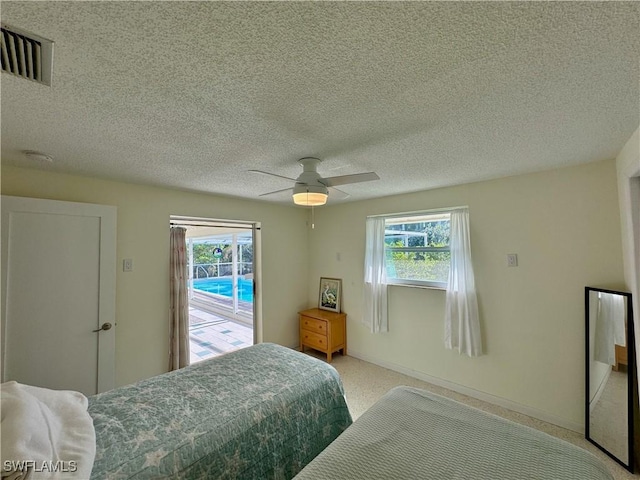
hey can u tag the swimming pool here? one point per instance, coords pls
(222, 286)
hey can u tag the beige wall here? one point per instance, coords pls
(565, 227)
(563, 224)
(142, 334)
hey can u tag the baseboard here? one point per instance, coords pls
(486, 397)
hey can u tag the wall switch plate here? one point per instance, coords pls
(127, 265)
(512, 260)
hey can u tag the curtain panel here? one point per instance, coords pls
(375, 278)
(462, 322)
(179, 302)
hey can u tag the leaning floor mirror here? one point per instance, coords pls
(610, 366)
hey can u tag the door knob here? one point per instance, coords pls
(105, 326)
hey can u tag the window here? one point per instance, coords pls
(417, 250)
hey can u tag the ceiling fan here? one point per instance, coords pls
(311, 189)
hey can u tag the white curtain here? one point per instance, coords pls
(375, 277)
(610, 327)
(178, 303)
(462, 323)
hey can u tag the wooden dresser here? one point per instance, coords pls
(621, 357)
(324, 331)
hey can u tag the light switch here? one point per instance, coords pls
(512, 260)
(127, 265)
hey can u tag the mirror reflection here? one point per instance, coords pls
(608, 420)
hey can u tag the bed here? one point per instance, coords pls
(257, 413)
(412, 433)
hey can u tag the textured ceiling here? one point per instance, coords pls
(427, 94)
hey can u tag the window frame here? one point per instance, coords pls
(428, 216)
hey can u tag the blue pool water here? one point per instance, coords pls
(222, 286)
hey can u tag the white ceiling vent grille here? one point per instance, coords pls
(26, 55)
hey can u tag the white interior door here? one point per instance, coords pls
(58, 287)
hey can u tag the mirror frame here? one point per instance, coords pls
(631, 372)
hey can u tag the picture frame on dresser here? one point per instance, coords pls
(330, 295)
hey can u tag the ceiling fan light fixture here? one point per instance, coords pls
(310, 195)
(311, 189)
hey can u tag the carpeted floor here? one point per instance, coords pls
(607, 420)
(364, 383)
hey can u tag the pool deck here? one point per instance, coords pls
(211, 335)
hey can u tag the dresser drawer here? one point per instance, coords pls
(313, 325)
(314, 340)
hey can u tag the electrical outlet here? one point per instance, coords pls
(127, 265)
(512, 260)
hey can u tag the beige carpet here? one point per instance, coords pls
(364, 383)
(608, 422)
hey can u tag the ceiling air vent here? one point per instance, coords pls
(26, 55)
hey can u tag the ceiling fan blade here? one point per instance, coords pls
(272, 175)
(337, 194)
(345, 179)
(277, 191)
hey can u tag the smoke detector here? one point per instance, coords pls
(38, 156)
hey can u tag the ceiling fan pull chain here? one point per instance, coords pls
(313, 225)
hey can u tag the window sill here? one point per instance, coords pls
(410, 285)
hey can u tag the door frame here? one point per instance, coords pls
(181, 220)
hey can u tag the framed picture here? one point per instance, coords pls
(330, 293)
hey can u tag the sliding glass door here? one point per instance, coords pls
(221, 270)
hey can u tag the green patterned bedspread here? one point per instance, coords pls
(261, 412)
(414, 434)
